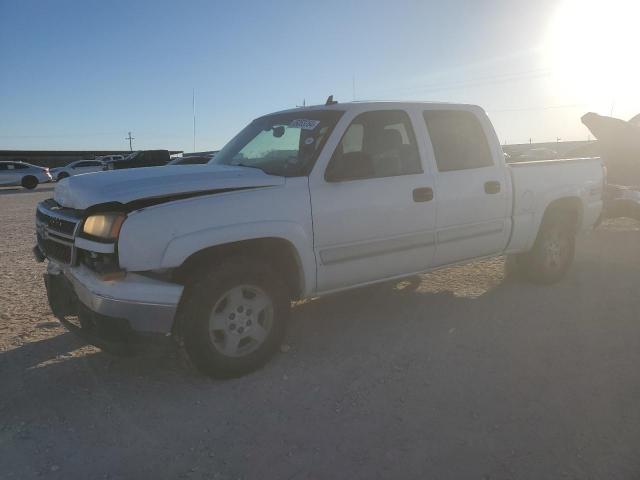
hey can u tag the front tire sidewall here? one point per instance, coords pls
(30, 182)
(201, 297)
(536, 263)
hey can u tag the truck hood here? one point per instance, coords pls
(154, 185)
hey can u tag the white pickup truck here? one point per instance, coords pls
(301, 203)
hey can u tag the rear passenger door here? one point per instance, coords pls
(373, 217)
(471, 187)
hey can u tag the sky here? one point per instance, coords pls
(82, 74)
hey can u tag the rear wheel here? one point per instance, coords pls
(234, 317)
(29, 182)
(553, 252)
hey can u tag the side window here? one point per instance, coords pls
(3, 166)
(376, 144)
(19, 166)
(459, 142)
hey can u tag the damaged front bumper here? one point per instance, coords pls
(111, 313)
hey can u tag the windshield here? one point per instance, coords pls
(282, 144)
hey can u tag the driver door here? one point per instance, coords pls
(373, 214)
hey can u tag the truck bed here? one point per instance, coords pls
(536, 183)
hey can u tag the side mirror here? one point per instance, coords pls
(350, 166)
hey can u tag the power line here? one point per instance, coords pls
(547, 107)
(193, 106)
(478, 81)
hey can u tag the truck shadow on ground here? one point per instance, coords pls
(365, 315)
(359, 321)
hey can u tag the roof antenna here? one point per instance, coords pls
(330, 101)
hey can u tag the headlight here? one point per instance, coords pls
(104, 226)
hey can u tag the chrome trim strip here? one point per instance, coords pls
(333, 255)
(92, 246)
(51, 236)
(465, 232)
(55, 232)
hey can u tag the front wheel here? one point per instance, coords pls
(552, 253)
(233, 318)
(29, 182)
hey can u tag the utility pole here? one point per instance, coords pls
(193, 106)
(353, 85)
(130, 138)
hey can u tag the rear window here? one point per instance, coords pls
(458, 139)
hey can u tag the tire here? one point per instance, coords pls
(553, 251)
(29, 182)
(62, 176)
(512, 267)
(228, 343)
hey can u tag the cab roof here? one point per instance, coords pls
(384, 104)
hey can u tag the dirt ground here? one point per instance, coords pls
(457, 374)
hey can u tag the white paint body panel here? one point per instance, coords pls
(345, 234)
(127, 185)
(539, 183)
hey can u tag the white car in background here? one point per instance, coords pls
(76, 168)
(25, 174)
(110, 158)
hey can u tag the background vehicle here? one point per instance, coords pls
(303, 203)
(142, 158)
(109, 158)
(25, 174)
(75, 168)
(190, 160)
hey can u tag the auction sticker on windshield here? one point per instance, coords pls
(304, 124)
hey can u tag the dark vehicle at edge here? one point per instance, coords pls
(141, 158)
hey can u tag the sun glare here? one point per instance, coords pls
(593, 47)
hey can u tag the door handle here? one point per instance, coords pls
(492, 187)
(424, 194)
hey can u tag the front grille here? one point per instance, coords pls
(55, 223)
(55, 229)
(55, 250)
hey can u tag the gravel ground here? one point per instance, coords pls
(457, 374)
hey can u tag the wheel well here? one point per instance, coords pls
(278, 252)
(568, 207)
